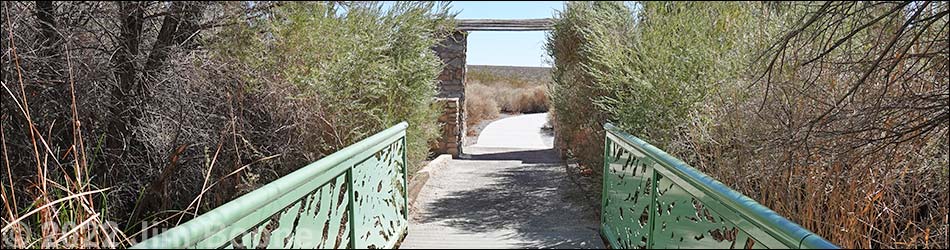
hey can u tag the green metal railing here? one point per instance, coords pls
(354, 198)
(654, 200)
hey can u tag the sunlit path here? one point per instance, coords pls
(504, 197)
(523, 131)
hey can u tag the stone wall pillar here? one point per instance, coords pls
(450, 121)
(452, 52)
(452, 92)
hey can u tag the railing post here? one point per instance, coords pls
(603, 180)
(351, 207)
(405, 179)
(654, 200)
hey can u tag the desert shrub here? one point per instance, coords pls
(573, 46)
(492, 78)
(805, 119)
(511, 76)
(530, 100)
(178, 118)
(485, 102)
(681, 59)
(91, 80)
(502, 98)
(823, 114)
(367, 68)
(480, 104)
(513, 89)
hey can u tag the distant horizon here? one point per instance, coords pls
(494, 65)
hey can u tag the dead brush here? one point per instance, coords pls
(843, 130)
(531, 100)
(64, 211)
(178, 126)
(485, 102)
(480, 105)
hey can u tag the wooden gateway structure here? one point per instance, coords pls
(452, 79)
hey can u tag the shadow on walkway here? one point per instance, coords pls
(534, 199)
(531, 156)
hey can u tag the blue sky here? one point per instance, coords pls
(516, 48)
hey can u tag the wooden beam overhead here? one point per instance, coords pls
(504, 24)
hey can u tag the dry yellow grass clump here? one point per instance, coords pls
(491, 90)
(480, 104)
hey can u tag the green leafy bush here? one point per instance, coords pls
(793, 104)
(364, 68)
(648, 67)
(573, 44)
(184, 106)
(649, 74)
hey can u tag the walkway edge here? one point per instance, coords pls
(420, 178)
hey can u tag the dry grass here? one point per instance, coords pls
(205, 126)
(509, 100)
(530, 100)
(513, 76)
(490, 90)
(65, 207)
(480, 104)
(849, 141)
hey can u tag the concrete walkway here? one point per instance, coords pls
(508, 191)
(523, 132)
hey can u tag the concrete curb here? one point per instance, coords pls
(420, 178)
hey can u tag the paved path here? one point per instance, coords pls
(523, 131)
(503, 197)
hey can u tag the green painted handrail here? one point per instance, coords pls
(355, 198)
(688, 208)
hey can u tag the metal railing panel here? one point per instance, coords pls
(687, 209)
(628, 178)
(380, 198)
(314, 207)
